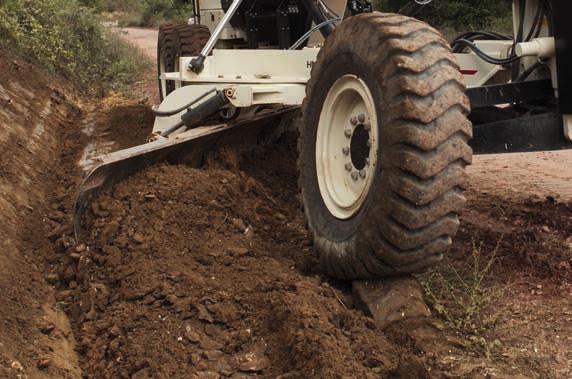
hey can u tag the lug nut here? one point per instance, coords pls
(361, 118)
(353, 120)
(348, 133)
(354, 175)
(362, 174)
(346, 150)
(348, 166)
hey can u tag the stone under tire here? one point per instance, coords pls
(411, 210)
(166, 55)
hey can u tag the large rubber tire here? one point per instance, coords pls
(411, 210)
(190, 40)
(166, 55)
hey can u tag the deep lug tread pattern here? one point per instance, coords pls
(166, 50)
(178, 40)
(190, 40)
(424, 132)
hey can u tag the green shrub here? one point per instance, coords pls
(142, 12)
(463, 15)
(68, 39)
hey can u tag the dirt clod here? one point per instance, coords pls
(391, 299)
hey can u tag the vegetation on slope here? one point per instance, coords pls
(68, 39)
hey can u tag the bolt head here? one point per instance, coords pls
(355, 175)
(362, 174)
(348, 167)
(348, 132)
(361, 118)
(354, 121)
(346, 150)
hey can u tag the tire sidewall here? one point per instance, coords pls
(320, 218)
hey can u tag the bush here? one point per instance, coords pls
(68, 39)
(463, 15)
(142, 12)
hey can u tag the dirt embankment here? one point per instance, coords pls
(35, 110)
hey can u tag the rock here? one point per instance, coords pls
(138, 238)
(44, 363)
(17, 366)
(150, 197)
(210, 344)
(113, 256)
(411, 366)
(52, 278)
(212, 355)
(206, 375)
(249, 232)
(82, 266)
(390, 300)
(114, 331)
(192, 335)
(204, 314)
(69, 274)
(239, 224)
(195, 359)
(144, 373)
(252, 361)
(64, 243)
(46, 327)
(224, 312)
(64, 295)
(212, 330)
(237, 251)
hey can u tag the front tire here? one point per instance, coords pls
(383, 148)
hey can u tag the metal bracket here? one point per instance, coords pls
(197, 64)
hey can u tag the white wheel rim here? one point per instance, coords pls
(347, 129)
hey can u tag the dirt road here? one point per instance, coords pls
(207, 272)
(145, 39)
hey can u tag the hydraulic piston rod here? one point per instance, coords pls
(198, 63)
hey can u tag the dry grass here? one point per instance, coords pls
(461, 293)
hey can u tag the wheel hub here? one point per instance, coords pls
(346, 146)
(359, 149)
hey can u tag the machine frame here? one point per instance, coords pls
(274, 76)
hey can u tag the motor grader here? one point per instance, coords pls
(388, 113)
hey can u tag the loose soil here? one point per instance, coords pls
(207, 272)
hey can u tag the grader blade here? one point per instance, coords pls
(188, 148)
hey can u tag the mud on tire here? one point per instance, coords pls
(190, 40)
(166, 51)
(411, 209)
(177, 40)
